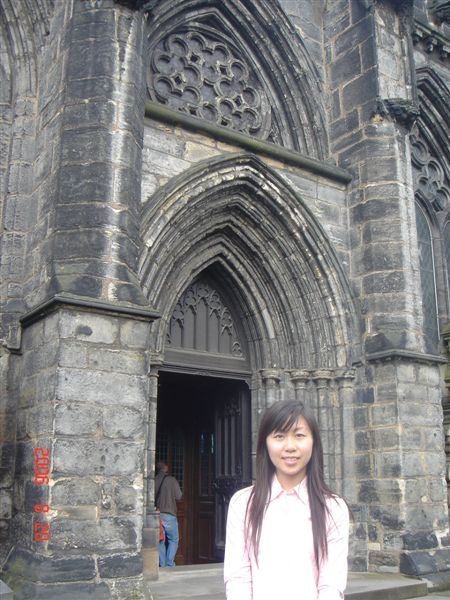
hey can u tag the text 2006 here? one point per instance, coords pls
(41, 477)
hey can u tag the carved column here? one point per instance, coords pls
(322, 379)
(344, 466)
(150, 535)
(299, 378)
(271, 381)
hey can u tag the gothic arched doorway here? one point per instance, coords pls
(236, 224)
(203, 424)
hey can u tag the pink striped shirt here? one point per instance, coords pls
(286, 565)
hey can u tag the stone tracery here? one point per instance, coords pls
(194, 72)
(229, 62)
(220, 324)
(428, 173)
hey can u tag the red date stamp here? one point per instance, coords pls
(41, 477)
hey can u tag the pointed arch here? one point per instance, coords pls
(243, 222)
(258, 38)
(431, 151)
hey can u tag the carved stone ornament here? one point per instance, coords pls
(430, 39)
(403, 111)
(200, 321)
(440, 9)
(429, 175)
(202, 73)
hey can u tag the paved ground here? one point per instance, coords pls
(204, 582)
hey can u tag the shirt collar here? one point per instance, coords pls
(300, 490)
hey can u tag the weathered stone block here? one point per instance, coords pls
(360, 417)
(77, 419)
(101, 457)
(83, 183)
(354, 35)
(368, 492)
(420, 541)
(100, 536)
(362, 441)
(123, 361)
(101, 387)
(365, 395)
(163, 141)
(374, 208)
(345, 67)
(417, 563)
(72, 354)
(120, 565)
(386, 438)
(387, 464)
(388, 516)
(126, 423)
(363, 466)
(72, 591)
(75, 491)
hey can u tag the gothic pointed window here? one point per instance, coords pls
(427, 278)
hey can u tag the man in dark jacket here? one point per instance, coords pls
(167, 492)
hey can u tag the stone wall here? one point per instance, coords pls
(81, 389)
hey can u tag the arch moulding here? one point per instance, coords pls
(241, 222)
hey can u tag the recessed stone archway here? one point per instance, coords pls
(240, 218)
(237, 221)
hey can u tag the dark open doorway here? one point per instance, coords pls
(203, 433)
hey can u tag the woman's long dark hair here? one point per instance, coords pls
(281, 416)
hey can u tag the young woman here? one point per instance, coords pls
(287, 536)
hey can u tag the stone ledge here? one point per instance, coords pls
(406, 355)
(159, 112)
(74, 302)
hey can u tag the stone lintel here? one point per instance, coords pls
(159, 112)
(89, 304)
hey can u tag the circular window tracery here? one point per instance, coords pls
(197, 73)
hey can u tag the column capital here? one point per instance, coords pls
(298, 375)
(320, 374)
(270, 375)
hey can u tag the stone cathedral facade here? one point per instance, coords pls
(208, 206)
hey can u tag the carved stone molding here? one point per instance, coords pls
(430, 40)
(203, 74)
(429, 176)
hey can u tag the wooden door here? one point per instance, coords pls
(204, 436)
(232, 457)
(172, 446)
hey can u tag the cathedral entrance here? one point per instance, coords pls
(203, 433)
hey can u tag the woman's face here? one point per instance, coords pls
(290, 453)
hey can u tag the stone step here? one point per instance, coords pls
(377, 586)
(204, 582)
